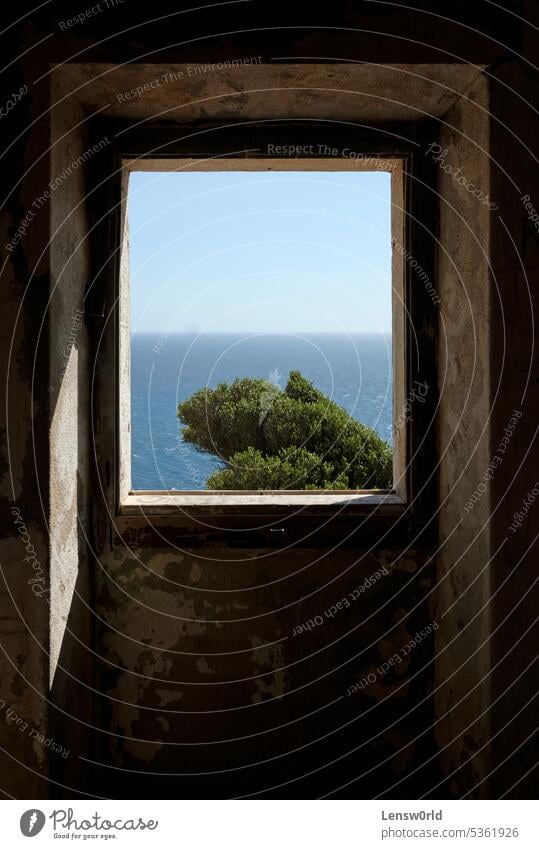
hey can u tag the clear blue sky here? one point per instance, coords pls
(260, 252)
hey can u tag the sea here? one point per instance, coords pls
(353, 370)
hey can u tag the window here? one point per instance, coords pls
(199, 170)
(261, 305)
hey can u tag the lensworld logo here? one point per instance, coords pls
(32, 822)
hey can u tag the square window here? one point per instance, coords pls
(261, 328)
(262, 292)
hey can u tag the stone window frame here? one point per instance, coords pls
(411, 504)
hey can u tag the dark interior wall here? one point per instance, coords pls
(71, 488)
(515, 261)
(25, 589)
(141, 677)
(227, 670)
(239, 701)
(462, 677)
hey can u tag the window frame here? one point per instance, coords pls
(411, 504)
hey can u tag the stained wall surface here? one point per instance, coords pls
(146, 696)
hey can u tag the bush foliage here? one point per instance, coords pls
(296, 438)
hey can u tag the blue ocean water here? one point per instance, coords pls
(354, 370)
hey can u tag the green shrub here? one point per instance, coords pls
(292, 439)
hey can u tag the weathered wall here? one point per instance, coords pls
(70, 375)
(206, 685)
(24, 585)
(515, 490)
(143, 604)
(222, 704)
(463, 651)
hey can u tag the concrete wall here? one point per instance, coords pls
(71, 485)
(206, 686)
(24, 586)
(515, 495)
(462, 679)
(198, 675)
(137, 672)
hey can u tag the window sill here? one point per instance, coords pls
(152, 503)
(147, 518)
